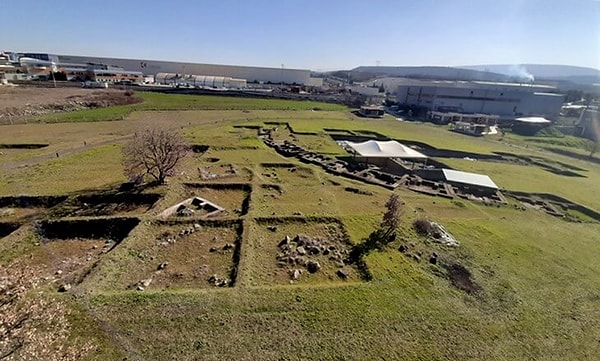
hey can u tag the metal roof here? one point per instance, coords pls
(389, 149)
(115, 71)
(457, 176)
(533, 120)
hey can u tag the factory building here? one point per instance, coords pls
(251, 74)
(40, 65)
(200, 81)
(507, 100)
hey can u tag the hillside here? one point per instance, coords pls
(574, 74)
(429, 72)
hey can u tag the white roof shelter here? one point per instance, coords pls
(533, 120)
(457, 176)
(389, 149)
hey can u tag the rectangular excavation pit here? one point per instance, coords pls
(66, 261)
(192, 207)
(114, 229)
(94, 205)
(23, 146)
(184, 255)
(22, 208)
(315, 251)
(6, 228)
(232, 198)
(67, 250)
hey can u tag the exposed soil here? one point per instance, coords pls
(234, 197)
(31, 201)
(278, 259)
(186, 256)
(8, 228)
(23, 208)
(461, 278)
(23, 146)
(21, 101)
(106, 204)
(68, 261)
(115, 229)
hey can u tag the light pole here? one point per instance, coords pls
(52, 65)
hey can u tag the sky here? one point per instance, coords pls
(319, 35)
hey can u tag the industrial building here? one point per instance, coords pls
(200, 81)
(251, 74)
(507, 100)
(41, 64)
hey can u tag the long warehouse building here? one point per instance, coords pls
(508, 100)
(251, 74)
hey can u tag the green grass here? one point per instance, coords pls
(520, 314)
(538, 273)
(534, 179)
(94, 168)
(160, 102)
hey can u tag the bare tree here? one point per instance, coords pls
(391, 216)
(153, 152)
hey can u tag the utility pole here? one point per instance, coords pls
(52, 73)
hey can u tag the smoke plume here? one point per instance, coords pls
(519, 72)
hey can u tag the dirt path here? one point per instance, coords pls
(62, 152)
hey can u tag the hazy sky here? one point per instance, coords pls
(315, 34)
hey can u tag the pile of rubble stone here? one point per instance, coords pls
(217, 281)
(167, 239)
(301, 253)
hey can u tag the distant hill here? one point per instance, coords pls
(563, 73)
(425, 72)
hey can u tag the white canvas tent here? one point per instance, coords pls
(533, 120)
(388, 149)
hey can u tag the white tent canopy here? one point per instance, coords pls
(389, 149)
(533, 120)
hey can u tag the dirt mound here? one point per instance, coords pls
(19, 102)
(461, 278)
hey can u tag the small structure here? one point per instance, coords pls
(186, 208)
(371, 111)
(529, 125)
(469, 179)
(440, 117)
(389, 155)
(387, 149)
(533, 120)
(473, 128)
(466, 182)
(467, 123)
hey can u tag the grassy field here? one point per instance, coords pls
(160, 102)
(536, 275)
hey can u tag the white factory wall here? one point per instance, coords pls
(490, 98)
(151, 67)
